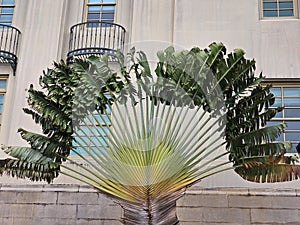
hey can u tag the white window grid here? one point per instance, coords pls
(292, 132)
(275, 9)
(99, 10)
(6, 11)
(88, 137)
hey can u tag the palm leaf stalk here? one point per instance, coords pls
(203, 112)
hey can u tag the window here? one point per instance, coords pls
(93, 133)
(288, 96)
(101, 10)
(6, 11)
(278, 8)
(3, 86)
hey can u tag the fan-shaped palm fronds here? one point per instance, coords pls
(154, 149)
(166, 131)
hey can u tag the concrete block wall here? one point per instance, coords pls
(82, 205)
(56, 205)
(240, 206)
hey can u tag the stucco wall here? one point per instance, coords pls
(81, 205)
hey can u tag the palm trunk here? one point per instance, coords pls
(161, 211)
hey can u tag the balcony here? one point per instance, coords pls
(9, 40)
(95, 38)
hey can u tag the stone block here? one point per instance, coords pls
(6, 221)
(15, 210)
(250, 201)
(21, 210)
(52, 221)
(98, 222)
(274, 216)
(99, 212)
(189, 223)
(190, 214)
(8, 197)
(22, 221)
(37, 197)
(286, 202)
(226, 215)
(77, 198)
(212, 223)
(283, 223)
(203, 201)
(54, 211)
(5, 210)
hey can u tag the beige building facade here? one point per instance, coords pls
(268, 31)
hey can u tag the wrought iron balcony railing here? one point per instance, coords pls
(95, 38)
(9, 41)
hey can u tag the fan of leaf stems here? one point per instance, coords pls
(153, 132)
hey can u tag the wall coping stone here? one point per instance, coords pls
(191, 191)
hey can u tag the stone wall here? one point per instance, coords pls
(81, 205)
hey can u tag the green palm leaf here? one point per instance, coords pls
(269, 169)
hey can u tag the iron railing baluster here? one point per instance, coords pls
(95, 38)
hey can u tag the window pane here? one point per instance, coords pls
(279, 115)
(108, 17)
(292, 125)
(1, 99)
(293, 148)
(293, 136)
(270, 5)
(270, 13)
(276, 91)
(2, 84)
(109, 1)
(93, 9)
(93, 17)
(278, 102)
(6, 10)
(286, 5)
(98, 141)
(280, 138)
(94, 1)
(6, 18)
(102, 119)
(291, 91)
(8, 2)
(286, 13)
(102, 131)
(292, 113)
(272, 123)
(108, 9)
(291, 101)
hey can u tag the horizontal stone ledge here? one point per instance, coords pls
(191, 191)
(244, 191)
(42, 188)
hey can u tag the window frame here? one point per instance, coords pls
(295, 10)
(87, 4)
(289, 83)
(3, 92)
(9, 23)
